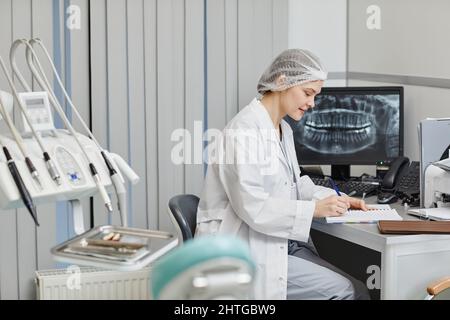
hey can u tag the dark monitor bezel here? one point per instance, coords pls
(369, 90)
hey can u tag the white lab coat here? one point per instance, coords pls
(259, 206)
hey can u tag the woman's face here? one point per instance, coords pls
(297, 100)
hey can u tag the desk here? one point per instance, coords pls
(408, 262)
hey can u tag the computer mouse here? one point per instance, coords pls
(386, 198)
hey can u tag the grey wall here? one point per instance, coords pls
(410, 49)
(411, 40)
(321, 26)
(243, 37)
(137, 70)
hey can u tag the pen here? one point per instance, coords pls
(333, 184)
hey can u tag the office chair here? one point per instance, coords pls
(209, 267)
(439, 290)
(183, 213)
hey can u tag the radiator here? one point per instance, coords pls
(86, 283)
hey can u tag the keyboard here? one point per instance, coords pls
(351, 188)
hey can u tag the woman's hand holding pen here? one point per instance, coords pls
(332, 206)
(355, 203)
(337, 205)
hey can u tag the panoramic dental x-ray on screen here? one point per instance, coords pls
(345, 126)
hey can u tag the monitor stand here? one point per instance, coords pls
(340, 172)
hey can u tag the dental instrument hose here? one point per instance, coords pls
(51, 168)
(24, 193)
(74, 109)
(20, 142)
(116, 180)
(54, 101)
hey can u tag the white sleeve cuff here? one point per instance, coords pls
(303, 220)
(322, 192)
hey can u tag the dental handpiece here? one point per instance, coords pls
(45, 85)
(51, 168)
(24, 193)
(119, 187)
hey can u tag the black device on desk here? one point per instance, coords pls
(401, 181)
(382, 167)
(353, 188)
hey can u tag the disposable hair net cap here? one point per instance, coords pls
(295, 66)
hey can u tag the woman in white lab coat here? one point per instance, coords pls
(253, 188)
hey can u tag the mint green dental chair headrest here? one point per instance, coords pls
(204, 268)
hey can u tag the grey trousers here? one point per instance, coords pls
(311, 277)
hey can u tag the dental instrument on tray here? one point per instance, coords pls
(45, 85)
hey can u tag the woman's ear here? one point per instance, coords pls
(281, 80)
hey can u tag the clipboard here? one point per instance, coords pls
(414, 227)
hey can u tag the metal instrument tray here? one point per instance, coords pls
(135, 249)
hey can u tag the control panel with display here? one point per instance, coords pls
(38, 110)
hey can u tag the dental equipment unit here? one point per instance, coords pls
(71, 166)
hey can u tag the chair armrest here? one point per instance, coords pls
(437, 287)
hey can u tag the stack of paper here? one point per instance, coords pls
(375, 214)
(443, 164)
(432, 213)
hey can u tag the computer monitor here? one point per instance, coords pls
(351, 126)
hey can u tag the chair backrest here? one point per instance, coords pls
(183, 212)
